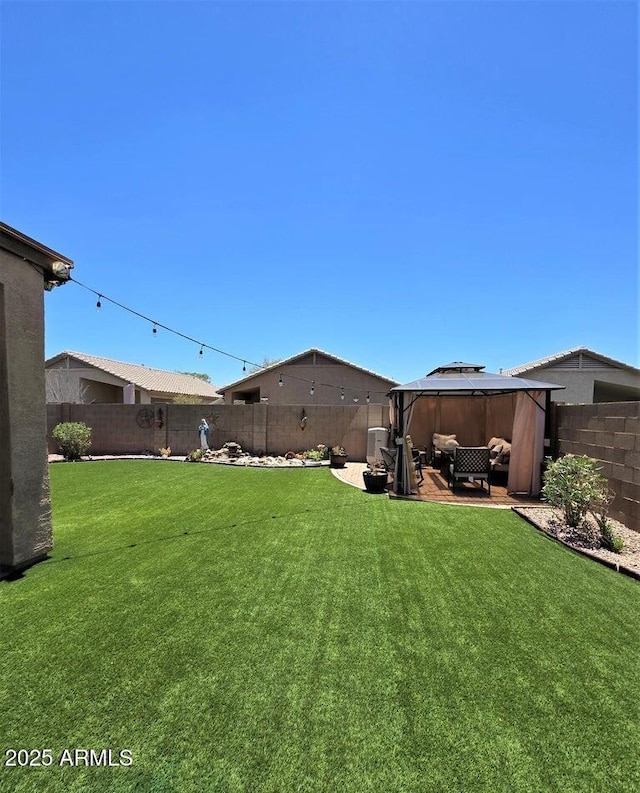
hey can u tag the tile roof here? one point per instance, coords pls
(156, 380)
(561, 356)
(302, 354)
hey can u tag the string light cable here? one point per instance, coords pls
(101, 297)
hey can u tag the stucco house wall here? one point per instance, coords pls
(25, 507)
(588, 377)
(73, 380)
(586, 387)
(82, 381)
(328, 375)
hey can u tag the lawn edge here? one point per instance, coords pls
(616, 566)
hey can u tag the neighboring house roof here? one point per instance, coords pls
(155, 380)
(590, 360)
(293, 358)
(464, 379)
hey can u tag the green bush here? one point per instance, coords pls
(74, 439)
(575, 485)
(609, 540)
(599, 510)
(319, 453)
(195, 456)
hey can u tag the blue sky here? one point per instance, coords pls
(400, 184)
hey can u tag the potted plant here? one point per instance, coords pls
(375, 477)
(337, 457)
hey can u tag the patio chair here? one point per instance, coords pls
(471, 463)
(389, 458)
(417, 461)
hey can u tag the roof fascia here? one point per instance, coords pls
(29, 249)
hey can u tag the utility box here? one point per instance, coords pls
(376, 437)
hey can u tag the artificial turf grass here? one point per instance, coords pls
(305, 636)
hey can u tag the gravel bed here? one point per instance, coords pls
(242, 461)
(585, 540)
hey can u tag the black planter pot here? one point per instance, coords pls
(375, 482)
(337, 460)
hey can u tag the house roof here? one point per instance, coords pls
(156, 380)
(559, 357)
(293, 358)
(54, 266)
(463, 379)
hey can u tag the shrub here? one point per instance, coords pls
(609, 540)
(195, 456)
(599, 510)
(319, 453)
(575, 485)
(74, 439)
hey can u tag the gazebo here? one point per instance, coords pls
(462, 399)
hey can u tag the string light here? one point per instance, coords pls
(202, 345)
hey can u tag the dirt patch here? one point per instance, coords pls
(586, 539)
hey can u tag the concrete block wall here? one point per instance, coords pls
(258, 428)
(610, 433)
(114, 428)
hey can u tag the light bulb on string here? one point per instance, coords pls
(368, 398)
(201, 350)
(280, 383)
(355, 399)
(342, 394)
(99, 304)
(244, 366)
(313, 387)
(155, 330)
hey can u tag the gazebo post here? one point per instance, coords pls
(399, 478)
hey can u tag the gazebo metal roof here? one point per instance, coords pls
(469, 379)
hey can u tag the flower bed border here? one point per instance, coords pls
(619, 568)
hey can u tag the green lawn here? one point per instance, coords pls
(276, 630)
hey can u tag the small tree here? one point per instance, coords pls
(265, 363)
(60, 387)
(74, 439)
(574, 484)
(186, 399)
(200, 375)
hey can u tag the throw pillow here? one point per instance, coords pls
(439, 440)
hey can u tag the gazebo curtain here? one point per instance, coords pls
(527, 443)
(407, 460)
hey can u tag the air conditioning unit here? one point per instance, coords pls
(376, 437)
